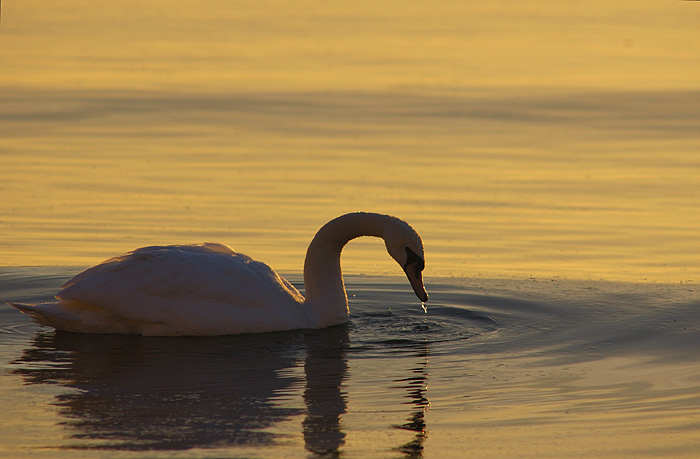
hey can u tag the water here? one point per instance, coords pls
(571, 368)
(546, 152)
(541, 139)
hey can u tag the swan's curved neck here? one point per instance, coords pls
(323, 278)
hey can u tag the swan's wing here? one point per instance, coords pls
(203, 286)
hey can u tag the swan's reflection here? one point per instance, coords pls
(326, 369)
(135, 393)
(416, 386)
(130, 393)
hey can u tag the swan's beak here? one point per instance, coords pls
(415, 277)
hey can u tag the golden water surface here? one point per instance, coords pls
(519, 138)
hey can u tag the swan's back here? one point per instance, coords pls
(205, 289)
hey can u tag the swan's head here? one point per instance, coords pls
(405, 246)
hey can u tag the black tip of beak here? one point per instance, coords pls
(414, 271)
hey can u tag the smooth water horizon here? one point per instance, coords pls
(546, 152)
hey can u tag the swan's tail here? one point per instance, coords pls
(35, 311)
(74, 316)
(63, 315)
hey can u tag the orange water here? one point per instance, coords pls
(534, 138)
(543, 138)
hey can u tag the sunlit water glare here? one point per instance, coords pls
(540, 139)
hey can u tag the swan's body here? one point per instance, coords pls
(209, 289)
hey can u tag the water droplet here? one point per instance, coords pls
(425, 308)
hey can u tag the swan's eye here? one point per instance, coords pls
(412, 257)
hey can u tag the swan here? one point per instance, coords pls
(208, 289)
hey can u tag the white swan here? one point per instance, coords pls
(209, 289)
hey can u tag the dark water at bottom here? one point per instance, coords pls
(496, 368)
